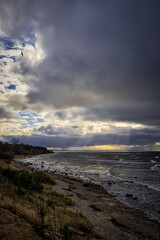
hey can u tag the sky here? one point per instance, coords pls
(89, 77)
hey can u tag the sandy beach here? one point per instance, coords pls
(109, 217)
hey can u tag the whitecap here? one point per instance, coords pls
(121, 160)
(155, 167)
(153, 161)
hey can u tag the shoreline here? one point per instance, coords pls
(109, 217)
(128, 201)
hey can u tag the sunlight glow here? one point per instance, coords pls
(111, 147)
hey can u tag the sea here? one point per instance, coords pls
(132, 177)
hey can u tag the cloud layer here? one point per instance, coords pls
(89, 64)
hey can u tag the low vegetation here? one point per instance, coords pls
(23, 179)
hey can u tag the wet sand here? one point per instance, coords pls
(114, 220)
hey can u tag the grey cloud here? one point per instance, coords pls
(56, 131)
(50, 130)
(5, 114)
(61, 115)
(15, 16)
(17, 101)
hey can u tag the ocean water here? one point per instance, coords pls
(132, 177)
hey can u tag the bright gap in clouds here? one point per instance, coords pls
(118, 148)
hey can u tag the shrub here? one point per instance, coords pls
(85, 228)
(42, 177)
(60, 197)
(66, 233)
(20, 191)
(50, 203)
(23, 179)
(6, 155)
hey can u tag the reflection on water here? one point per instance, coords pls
(134, 178)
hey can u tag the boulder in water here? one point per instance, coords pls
(129, 195)
(87, 184)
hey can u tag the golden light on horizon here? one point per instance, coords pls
(111, 147)
(157, 143)
(52, 148)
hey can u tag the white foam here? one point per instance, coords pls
(121, 160)
(153, 161)
(155, 167)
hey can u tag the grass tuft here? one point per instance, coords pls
(63, 199)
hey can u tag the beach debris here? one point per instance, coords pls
(87, 184)
(70, 194)
(95, 208)
(129, 195)
(67, 189)
(109, 183)
(135, 198)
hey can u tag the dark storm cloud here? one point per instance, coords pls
(144, 113)
(102, 52)
(100, 55)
